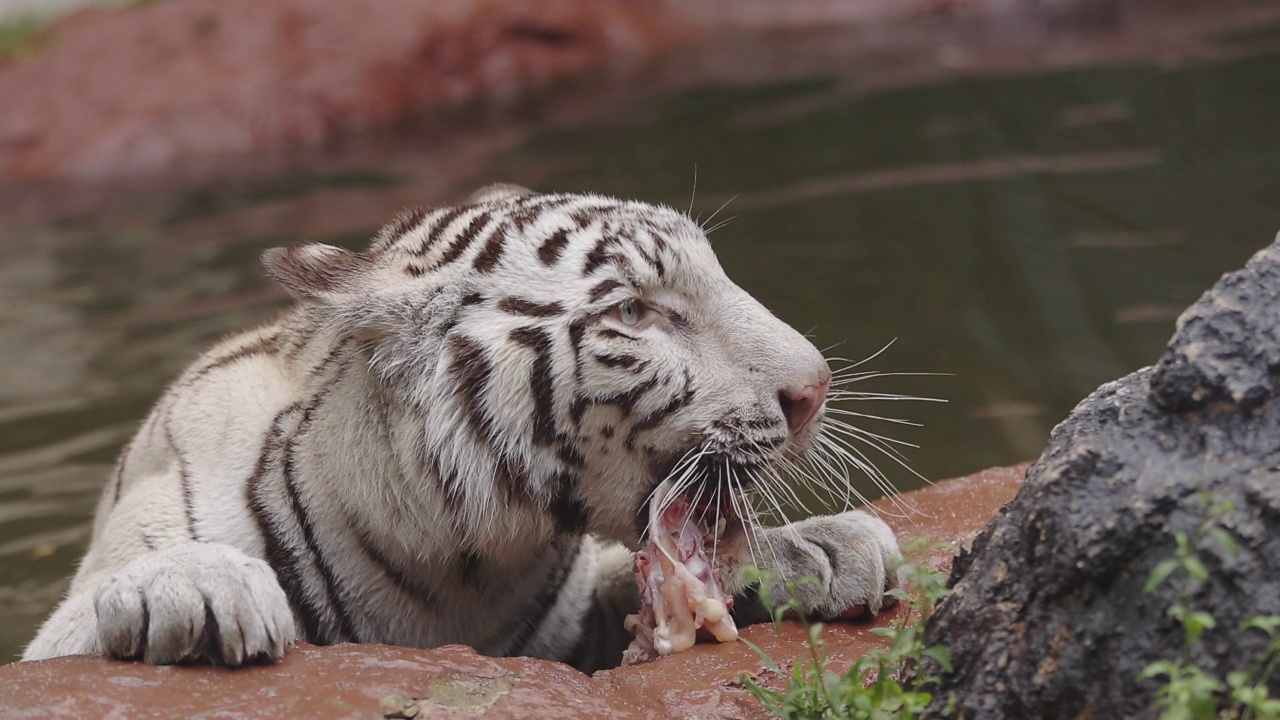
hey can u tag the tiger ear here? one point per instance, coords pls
(497, 191)
(315, 271)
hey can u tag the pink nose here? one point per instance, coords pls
(799, 406)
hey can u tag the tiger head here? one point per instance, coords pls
(563, 354)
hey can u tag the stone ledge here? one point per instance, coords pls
(361, 681)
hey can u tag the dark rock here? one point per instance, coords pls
(1049, 618)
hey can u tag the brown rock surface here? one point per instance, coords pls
(454, 682)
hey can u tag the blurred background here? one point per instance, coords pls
(1021, 195)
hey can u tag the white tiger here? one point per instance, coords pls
(451, 438)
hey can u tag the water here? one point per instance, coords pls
(1031, 235)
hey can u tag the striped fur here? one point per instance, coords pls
(448, 439)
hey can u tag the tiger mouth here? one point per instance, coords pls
(714, 509)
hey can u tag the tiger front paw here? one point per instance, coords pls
(838, 566)
(192, 602)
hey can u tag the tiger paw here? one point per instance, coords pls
(192, 602)
(838, 566)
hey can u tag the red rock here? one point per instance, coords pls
(136, 90)
(454, 682)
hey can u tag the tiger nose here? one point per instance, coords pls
(799, 405)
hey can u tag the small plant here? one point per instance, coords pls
(881, 685)
(1188, 692)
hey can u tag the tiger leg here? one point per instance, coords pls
(187, 601)
(614, 597)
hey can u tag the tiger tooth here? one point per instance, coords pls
(721, 524)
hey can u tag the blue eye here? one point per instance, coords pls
(629, 312)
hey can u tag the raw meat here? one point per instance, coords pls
(679, 590)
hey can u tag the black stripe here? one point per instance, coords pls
(653, 419)
(529, 308)
(469, 565)
(438, 226)
(603, 289)
(301, 337)
(489, 255)
(569, 453)
(261, 346)
(577, 408)
(471, 368)
(599, 255)
(415, 270)
(533, 209)
(540, 382)
(452, 489)
(615, 334)
(184, 480)
(577, 329)
(583, 218)
(535, 613)
(570, 511)
(407, 583)
(401, 224)
(472, 299)
(626, 401)
(651, 258)
(117, 475)
(617, 361)
(468, 236)
(550, 250)
(281, 555)
(345, 625)
(513, 478)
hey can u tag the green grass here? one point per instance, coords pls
(882, 685)
(1188, 692)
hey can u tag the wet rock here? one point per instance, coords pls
(363, 681)
(1049, 618)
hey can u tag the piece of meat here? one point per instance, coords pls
(679, 590)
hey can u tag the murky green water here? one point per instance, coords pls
(1032, 236)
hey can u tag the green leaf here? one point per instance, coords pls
(1195, 568)
(1225, 539)
(1160, 573)
(1268, 624)
(940, 655)
(1184, 547)
(1237, 678)
(768, 661)
(1166, 668)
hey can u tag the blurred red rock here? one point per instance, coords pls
(380, 681)
(171, 87)
(136, 90)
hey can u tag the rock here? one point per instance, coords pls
(201, 88)
(362, 681)
(129, 91)
(1049, 618)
